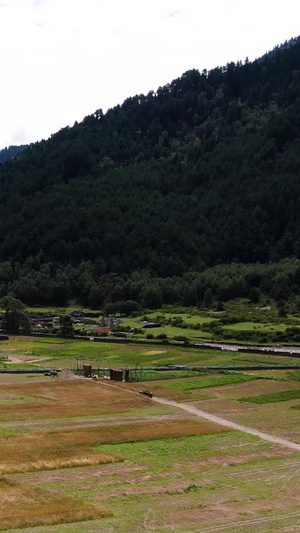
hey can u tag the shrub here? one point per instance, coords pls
(181, 338)
(162, 336)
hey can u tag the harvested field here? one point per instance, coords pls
(106, 459)
(65, 398)
(65, 449)
(24, 505)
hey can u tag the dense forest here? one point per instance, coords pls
(186, 193)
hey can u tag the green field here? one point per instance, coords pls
(271, 398)
(96, 456)
(251, 326)
(202, 383)
(69, 353)
(156, 471)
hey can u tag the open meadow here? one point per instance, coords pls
(97, 456)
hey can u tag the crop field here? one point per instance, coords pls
(97, 456)
(25, 352)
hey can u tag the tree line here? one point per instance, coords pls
(53, 284)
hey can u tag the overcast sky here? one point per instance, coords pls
(63, 59)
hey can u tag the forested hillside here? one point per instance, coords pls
(11, 151)
(136, 204)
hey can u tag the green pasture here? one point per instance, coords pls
(71, 353)
(252, 326)
(282, 396)
(246, 318)
(169, 474)
(163, 453)
(196, 317)
(166, 482)
(168, 329)
(203, 383)
(173, 331)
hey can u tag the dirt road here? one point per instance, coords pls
(223, 422)
(227, 423)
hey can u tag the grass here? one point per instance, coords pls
(11, 399)
(166, 472)
(62, 353)
(164, 453)
(154, 316)
(59, 450)
(152, 474)
(252, 326)
(203, 383)
(52, 450)
(283, 396)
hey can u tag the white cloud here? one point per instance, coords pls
(19, 136)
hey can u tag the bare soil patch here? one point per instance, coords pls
(23, 359)
(155, 352)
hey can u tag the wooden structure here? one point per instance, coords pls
(116, 375)
(87, 370)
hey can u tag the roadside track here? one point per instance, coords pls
(218, 420)
(227, 423)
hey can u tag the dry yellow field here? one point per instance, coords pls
(24, 506)
(87, 415)
(78, 455)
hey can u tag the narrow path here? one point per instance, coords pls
(229, 424)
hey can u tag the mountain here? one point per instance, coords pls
(202, 172)
(11, 151)
(282, 46)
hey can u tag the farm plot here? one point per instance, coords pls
(109, 460)
(28, 447)
(189, 483)
(241, 400)
(32, 352)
